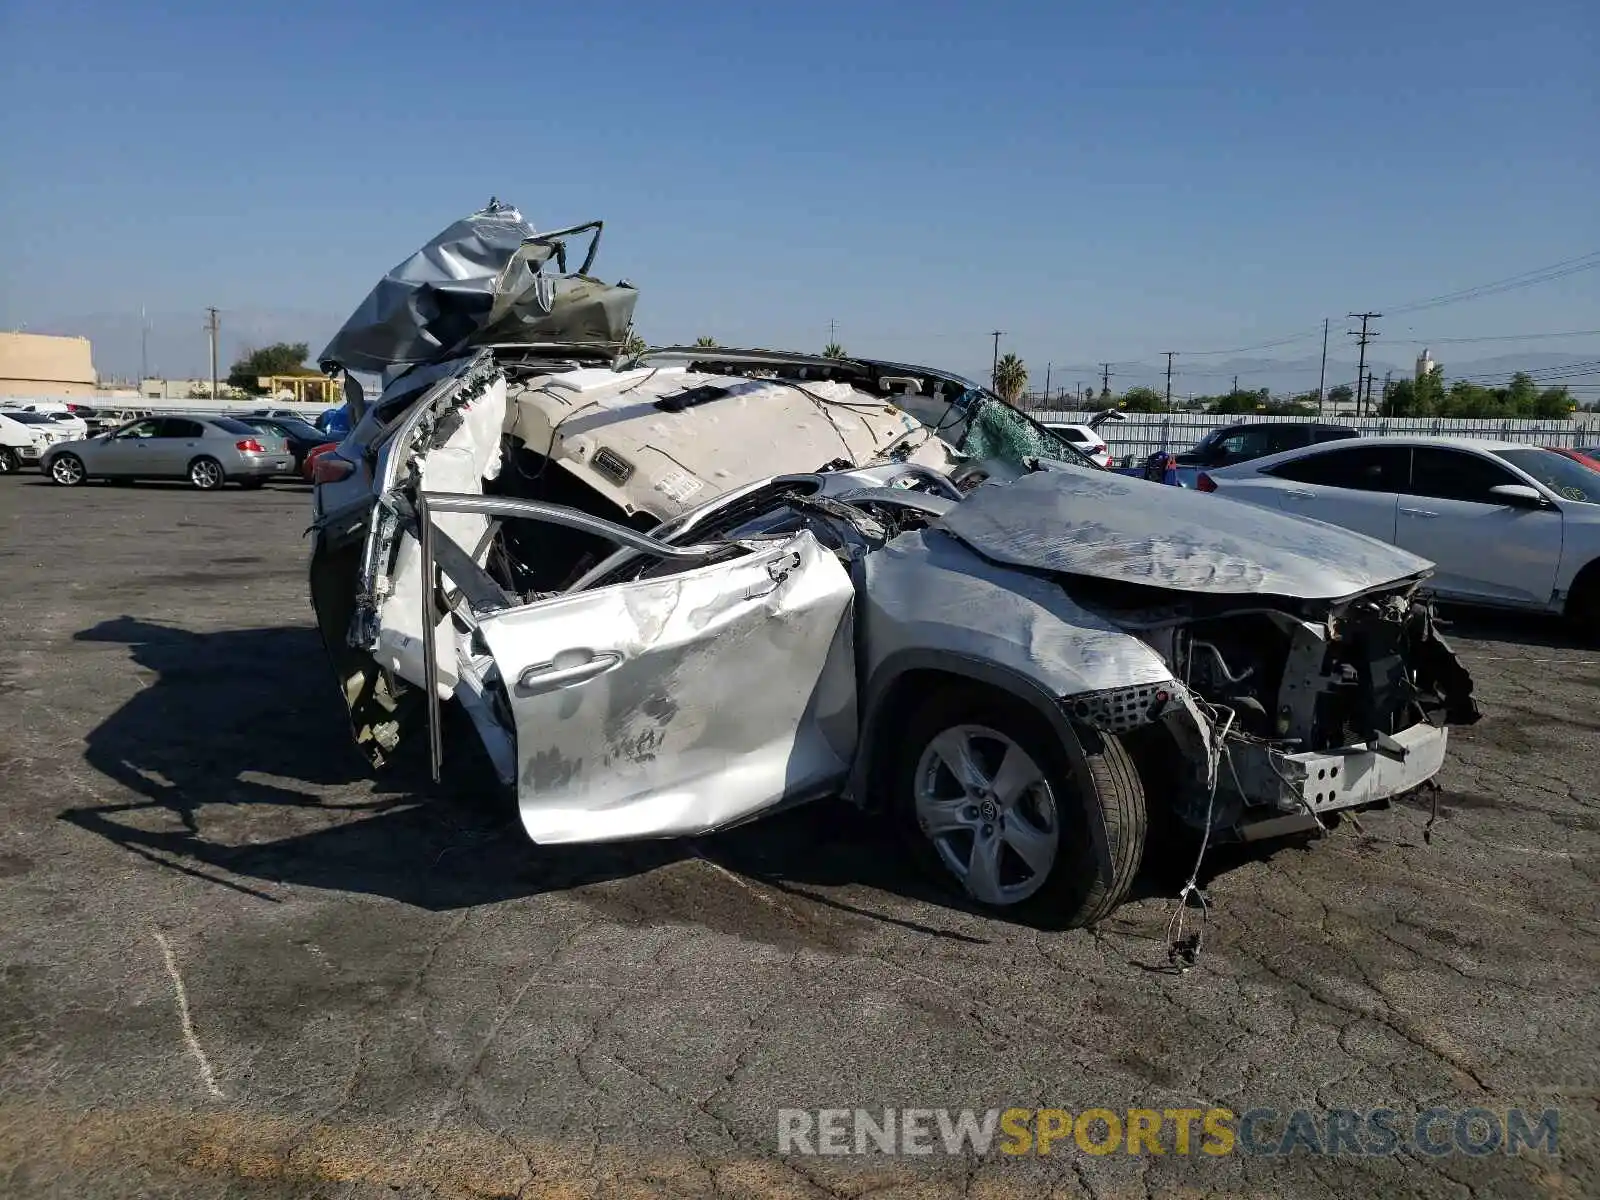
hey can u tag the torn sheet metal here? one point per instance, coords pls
(926, 591)
(672, 706)
(1102, 525)
(665, 441)
(480, 280)
(468, 456)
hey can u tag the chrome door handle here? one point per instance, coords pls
(1418, 512)
(546, 676)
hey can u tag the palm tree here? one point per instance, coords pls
(705, 341)
(833, 350)
(1010, 377)
(633, 346)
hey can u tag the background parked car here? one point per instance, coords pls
(1085, 439)
(1509, 525)
(308, 468)
(1255, 439)
(1589, 458)
(207, 451)
(20, 446)
(335, 422)
(43, 428)
(301, 436)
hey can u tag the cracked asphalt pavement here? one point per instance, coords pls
(236, 965)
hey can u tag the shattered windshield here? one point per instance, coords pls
(995, 430)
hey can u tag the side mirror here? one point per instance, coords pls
(1518, 495)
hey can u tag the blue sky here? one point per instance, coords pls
(1100, 181)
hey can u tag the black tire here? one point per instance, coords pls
(1583, 605)
(9, 463)
(206, 474)
(1099, 808)
(68, 470)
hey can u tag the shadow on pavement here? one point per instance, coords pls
(1516, 628)
(250, 719)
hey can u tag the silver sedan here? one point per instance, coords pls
(207, 451)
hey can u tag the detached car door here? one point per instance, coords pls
(1484, 548)
(1356, 486)
(673, 705)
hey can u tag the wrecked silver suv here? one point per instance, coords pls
(1023, 674)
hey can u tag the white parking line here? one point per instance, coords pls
(189, 1038)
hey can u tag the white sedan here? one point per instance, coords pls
(1506, 524)
(1085, 439)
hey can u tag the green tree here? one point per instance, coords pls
(1341, 394)
(1010, 378)
(1142, 400)
(1400, 400)
(1429, 391)
(1521, 395)
(1553, 404)
(833, 350)
(1241, 401)
(705, 341)
(280, 358)
(633, 346)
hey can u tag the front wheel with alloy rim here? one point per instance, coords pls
(67, 470)
(1032, 824)
(206, 474)
(8, 460)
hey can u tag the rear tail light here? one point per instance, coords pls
(1205, 483)
(330, 468)
(249, 446)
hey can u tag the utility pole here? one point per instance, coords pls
(1047, 367)
(1169, 354)
(1105, 380)
(1235, 386)
(994, 371)
(1388, 382)
(144, 348)
(1077, 391)
(1322, 378)
(1363, 337)
(213, 327)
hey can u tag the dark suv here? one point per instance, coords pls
(1256, 439)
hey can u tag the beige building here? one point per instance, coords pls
(42, 364)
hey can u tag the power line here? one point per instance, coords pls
(1497, 337)
(1560, 270)
(1283, 341)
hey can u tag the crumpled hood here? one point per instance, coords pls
(478, 281)
(1107, 526)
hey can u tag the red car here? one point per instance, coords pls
(1586, 457)
(309, 465)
